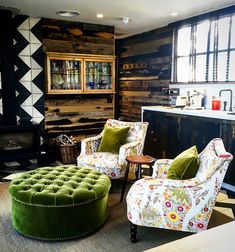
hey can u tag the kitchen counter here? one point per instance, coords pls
(172, 130)
(208, 113)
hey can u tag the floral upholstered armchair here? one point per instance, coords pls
(111, 164)
(184, 205)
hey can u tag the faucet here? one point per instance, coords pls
(231, 96)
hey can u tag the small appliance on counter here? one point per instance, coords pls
(179, 101)
(195, 100)
(176, 100)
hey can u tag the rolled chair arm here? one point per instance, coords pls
(160, 168)
(133, 148)
(90, 145)
(156, 182)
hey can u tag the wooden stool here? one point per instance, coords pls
(139, 161)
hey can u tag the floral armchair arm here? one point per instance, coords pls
(90, 145)
(133, 148)
(160, 168)
(187, 183)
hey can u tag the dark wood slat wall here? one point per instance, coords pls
(84, 114)
(73, 37)
(144, 69)
(79, 114)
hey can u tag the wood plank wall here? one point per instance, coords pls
(77, 114)
(74, 37)
(84, 114)
(144, 63)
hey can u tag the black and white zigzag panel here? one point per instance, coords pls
(29, 69)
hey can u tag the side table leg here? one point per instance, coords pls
(139, 171)
(150, 170)
(133, 233)
(125, 181)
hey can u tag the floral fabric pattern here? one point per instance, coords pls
(90, 145)
(160, 168)
(104, 162)
(184, 205)
(113, 165)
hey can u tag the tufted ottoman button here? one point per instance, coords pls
(60, 202)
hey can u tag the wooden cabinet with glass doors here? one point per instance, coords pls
(79, 73)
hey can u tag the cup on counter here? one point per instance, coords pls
(216, 104)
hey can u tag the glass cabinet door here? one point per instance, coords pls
(65, 75)
(79, 73)
(99, 76)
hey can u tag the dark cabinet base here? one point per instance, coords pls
(169, 134)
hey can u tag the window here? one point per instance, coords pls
(204, 49)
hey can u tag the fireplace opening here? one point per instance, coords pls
(16, 141)
(19, 142)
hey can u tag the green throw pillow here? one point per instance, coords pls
(112, 139)
(185, 165)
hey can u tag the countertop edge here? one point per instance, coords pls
(220, 115)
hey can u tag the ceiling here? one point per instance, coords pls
(144, 15)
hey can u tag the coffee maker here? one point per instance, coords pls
(176, 100)
(196, 99)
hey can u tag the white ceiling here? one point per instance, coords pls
(144, 15)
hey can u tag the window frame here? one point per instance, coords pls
(213, 18)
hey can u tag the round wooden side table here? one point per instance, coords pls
(139, 161)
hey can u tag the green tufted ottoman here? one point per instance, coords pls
(59, 202)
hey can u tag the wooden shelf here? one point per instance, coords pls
(140, 78)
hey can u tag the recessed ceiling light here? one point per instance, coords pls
(99, 15)
(67, 13)
(125, 20)
(174, 14)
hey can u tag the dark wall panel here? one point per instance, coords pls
(73, 37)
(8, 79)
(144, 70)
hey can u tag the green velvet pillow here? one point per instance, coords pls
(185, 165)
(113, 138)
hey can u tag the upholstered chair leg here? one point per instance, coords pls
(133, 233)
(139, 171)
(150, 170)
(125, 182)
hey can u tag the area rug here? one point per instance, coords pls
(114, 235)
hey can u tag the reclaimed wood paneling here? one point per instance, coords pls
(78, 46)
(146, 47)
(144, 63)
(73, 37)
(77, 114)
